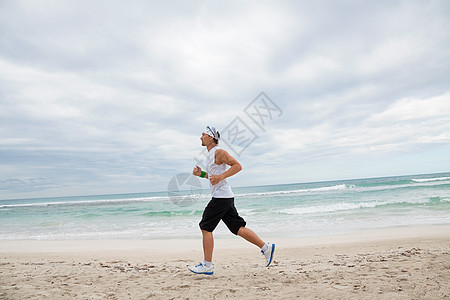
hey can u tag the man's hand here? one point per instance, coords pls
(215, 179)
(197, 171)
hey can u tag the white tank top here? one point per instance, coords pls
(223, 188)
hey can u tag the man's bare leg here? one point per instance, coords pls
(250, 236)
(208, 245)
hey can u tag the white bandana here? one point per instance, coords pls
(212, 132)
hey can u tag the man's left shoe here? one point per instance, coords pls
(269, 254)
(201, 269)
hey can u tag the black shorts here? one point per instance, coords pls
(221, 209)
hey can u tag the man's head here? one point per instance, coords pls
(210, 135)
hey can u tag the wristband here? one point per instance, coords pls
(203, 174)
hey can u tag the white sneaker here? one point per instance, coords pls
(269, 253)
(201, 269)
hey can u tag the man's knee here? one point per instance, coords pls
(240, 231)
(205, 232)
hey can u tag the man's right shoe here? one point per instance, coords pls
(269, 254)
(201, 269)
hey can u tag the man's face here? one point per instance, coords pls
(206, 139)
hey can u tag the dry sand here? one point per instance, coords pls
(408, 263)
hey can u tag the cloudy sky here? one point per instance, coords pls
(100, 97)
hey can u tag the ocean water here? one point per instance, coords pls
(289, 210)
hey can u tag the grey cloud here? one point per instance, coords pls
(119, 92)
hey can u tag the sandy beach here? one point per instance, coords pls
(406, 263)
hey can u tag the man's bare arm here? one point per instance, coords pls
(223, 157)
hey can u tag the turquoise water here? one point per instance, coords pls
(290, 210)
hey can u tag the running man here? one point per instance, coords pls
(221, 206)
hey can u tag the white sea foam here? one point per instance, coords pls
(48, 202)
(350, 187)
(334, 188)
(346, 206)
(90, 202)
(330, 208)
(430, 179)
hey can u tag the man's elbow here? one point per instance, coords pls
(238, 167)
